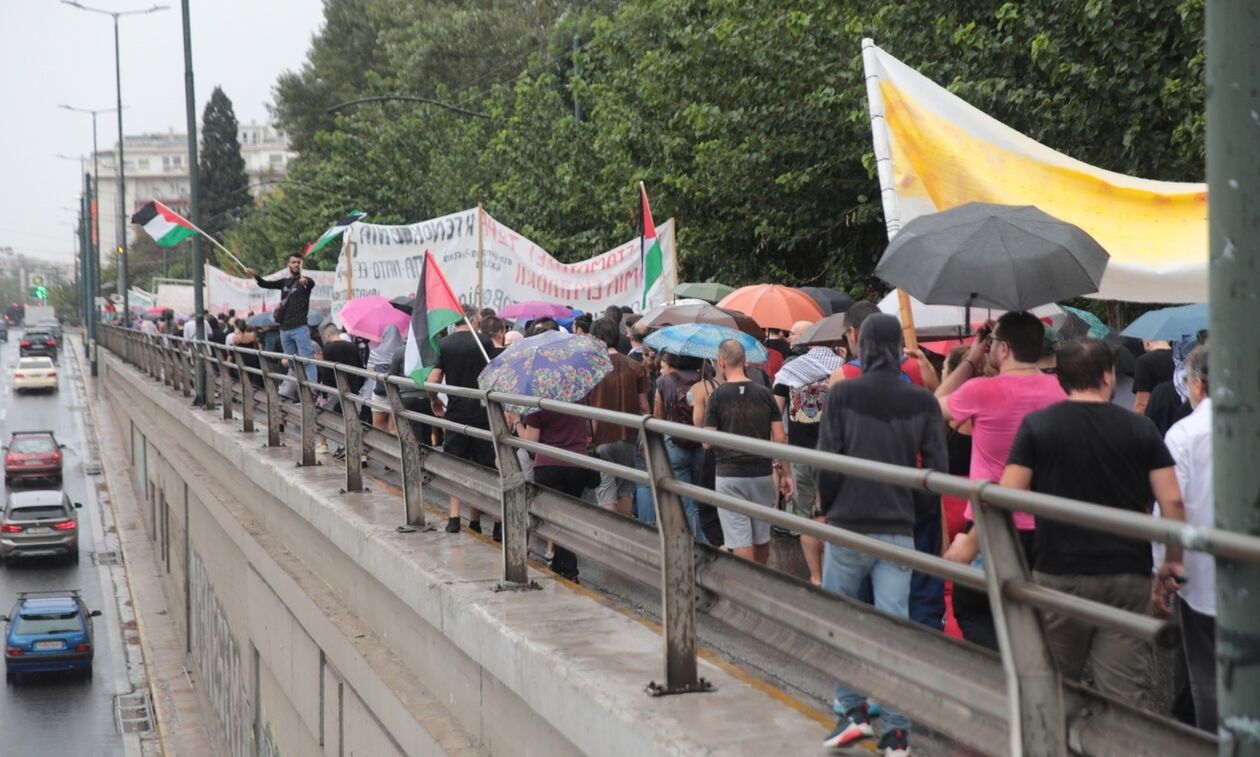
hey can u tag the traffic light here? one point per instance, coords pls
(119, 249)
(39, 292)
(37, 280)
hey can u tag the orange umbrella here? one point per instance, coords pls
(773, 306)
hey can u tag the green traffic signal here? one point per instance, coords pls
(39, 292)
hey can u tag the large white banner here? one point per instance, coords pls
(227, 292)
(386, 260)
(177, 297)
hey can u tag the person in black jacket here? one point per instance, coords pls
(291, 313)
(875, 416)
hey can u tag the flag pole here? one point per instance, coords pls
(883, 167)
(481, 263)
(215, 242)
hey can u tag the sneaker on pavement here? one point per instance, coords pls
(474, 525)
(895, 743)
(850, 729)
(497, 533)
(452, 525)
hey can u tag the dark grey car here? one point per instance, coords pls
(39, 522)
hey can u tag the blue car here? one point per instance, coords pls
(48, 632)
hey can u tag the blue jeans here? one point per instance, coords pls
(844, 570)
(644, 507)
(686, 464)
(927, 592)
(298, 342)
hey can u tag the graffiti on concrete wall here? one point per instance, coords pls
(217, 657)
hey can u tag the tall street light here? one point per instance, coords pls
(92, 255)
(122, 187)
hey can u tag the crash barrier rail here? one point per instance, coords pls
(1012, 703)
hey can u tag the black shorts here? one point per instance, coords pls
(467, 448)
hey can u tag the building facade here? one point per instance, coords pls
(156, 168)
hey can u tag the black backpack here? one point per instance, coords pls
(678, 405)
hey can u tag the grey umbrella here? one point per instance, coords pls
(994, 256)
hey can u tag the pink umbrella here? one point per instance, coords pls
(368, 317)
(533, 309)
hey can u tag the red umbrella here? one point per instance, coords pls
(773, 306)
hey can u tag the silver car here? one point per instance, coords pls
(39, 522)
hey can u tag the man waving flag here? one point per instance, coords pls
(435, 309)
(649, 251)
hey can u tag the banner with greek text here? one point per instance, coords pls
(386, 260)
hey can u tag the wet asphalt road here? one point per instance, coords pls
(59, 714)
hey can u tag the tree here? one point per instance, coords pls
(225, 197)
(747, 121)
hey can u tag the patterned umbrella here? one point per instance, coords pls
(552, 365)
(702, 340)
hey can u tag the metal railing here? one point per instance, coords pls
(1015, 702)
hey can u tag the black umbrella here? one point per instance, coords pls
(404, 303)
(830, 300)
(827, 332)
(995, 256)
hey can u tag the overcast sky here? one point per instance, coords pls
(53, 53)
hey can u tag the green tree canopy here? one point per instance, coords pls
(747, 121)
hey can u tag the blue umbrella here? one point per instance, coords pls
(264, 320)
(551, 365)
(1181, 322)
(267, 318)
(702, 340)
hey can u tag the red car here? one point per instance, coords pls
(32, 455)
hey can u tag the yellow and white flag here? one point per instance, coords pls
(934, 151)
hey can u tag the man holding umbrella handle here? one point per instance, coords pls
(291, 313)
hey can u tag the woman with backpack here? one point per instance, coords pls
(674, 400)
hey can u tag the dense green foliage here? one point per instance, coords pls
(225, 198)
(747, 121)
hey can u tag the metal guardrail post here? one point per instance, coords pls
(354, 433)
(201, 367)
(165, 364)
(514, 496)
(225, 381)
(1037, 720)
(678, 576)
(412, 459)
(274, 417)
(247, 393)
(306, 398)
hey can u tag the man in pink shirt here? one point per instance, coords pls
(995, 406)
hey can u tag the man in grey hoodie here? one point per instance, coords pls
(876, 416)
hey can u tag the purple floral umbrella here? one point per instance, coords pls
(552, 365)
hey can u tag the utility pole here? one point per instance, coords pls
(92, 267)
(194, 189)
(122, 174)
(1233, 172)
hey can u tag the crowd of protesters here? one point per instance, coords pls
(1014, 405)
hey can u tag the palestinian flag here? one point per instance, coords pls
(167, 227)
(334, 232)
(653, 260)
(436, 308)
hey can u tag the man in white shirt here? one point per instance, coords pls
(1189, 442)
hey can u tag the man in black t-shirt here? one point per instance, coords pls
(1089, 449)
(460, 361)
(746, 408)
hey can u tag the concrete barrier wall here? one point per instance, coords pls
(313, 626)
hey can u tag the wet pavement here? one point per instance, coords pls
(59, 714)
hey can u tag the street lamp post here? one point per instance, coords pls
(122, 186)
(92, 255)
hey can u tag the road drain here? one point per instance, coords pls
(107, 558)
(133, 713)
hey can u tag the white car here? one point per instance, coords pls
(35, 373)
